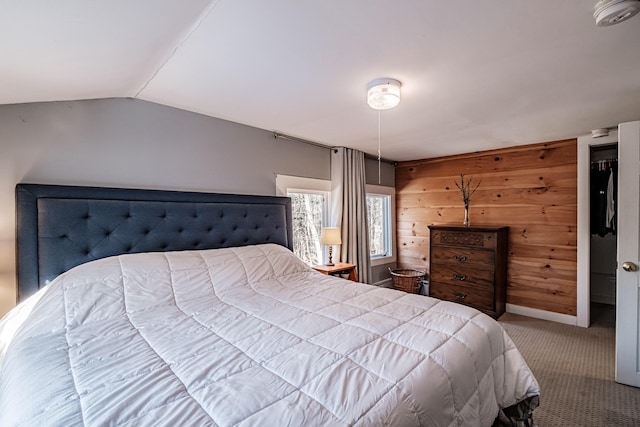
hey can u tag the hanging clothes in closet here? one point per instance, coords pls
(604, 193)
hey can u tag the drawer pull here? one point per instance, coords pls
(459, 295)
(460, 258)
(461, 277)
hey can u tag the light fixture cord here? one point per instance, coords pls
(379, 158)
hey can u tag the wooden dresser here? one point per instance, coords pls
(468, 265)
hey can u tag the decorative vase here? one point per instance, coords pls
(466, 216)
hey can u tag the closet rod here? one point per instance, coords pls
(594, 162)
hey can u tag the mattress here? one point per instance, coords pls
(248, 336)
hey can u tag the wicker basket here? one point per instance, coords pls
(407, 280)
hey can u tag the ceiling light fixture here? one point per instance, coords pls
(611, 12)
(383, 94)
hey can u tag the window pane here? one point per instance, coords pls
(378, 215)
(307, 209)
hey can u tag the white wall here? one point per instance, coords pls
(133, 143)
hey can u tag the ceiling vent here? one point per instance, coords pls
(611, 12)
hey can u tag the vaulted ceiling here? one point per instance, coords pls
(476, 74)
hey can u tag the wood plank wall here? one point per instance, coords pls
(532, 189)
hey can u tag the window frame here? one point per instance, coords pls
(381, 190)
(286, 183)
(295, 184)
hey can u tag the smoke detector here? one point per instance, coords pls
(599, 133)
(611, 12)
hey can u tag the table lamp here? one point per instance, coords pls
(330, 236)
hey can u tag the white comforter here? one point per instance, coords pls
(251, 337)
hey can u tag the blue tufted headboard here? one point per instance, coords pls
(59, 227)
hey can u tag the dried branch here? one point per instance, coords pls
(465, 189)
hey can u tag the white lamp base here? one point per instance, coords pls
(330, 263)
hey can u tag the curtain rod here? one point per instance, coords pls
(295, 138)
(317, 144)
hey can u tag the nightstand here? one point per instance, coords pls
(339, 268)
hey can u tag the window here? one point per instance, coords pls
(378, 214)
(380, 217)
(310, 200)
(308, 211)
(309, 208)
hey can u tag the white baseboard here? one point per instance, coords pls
(542, 314)
(386, 283)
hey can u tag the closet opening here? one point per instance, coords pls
(603, 231)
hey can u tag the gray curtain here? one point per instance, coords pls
(349, 208)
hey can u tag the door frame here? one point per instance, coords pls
(583, 291)
(627, 292)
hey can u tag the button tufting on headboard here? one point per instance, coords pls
(59, 227)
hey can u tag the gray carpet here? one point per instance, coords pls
(575, 369)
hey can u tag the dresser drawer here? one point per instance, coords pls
(482, 299)
(476, 258)
(468, 239)
(468, 265)
(460, 275)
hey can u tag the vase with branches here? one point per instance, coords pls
(467, 190)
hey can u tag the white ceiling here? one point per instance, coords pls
(476, 75)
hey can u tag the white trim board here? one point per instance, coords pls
(542, 314)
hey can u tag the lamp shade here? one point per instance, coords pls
(330, 236)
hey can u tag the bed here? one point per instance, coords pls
(142, 307)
